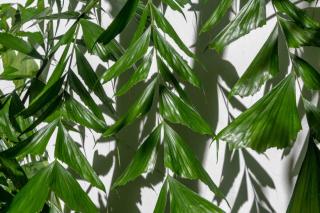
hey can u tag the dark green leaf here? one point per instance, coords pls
(217, 15)
(181, 160)
(313, 117)
(309, 75)
(271, 122)
(166, 27)
(91, 79)
(175, 110)
(84, 95)
(137, 110)
(296, 14)
(67, 151)
(135, 52)
(306, 193)
(183, 199)
(39, 187)
(76, 112)
(47, 94)
(251, 16)
(140, 74)
(297, 35)
(119, 22)
(177, 63)
(142, 24)
(162, 199)
(264, 66)
(143, 159)
(35, 144)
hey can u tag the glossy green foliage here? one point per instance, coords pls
(271, 122)
(263, 67)
(306, 195)
(183, 199)
(251, 16)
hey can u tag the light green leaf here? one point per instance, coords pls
(137, 110)
(174, 60)
(309, 75)
(175, 110)
(183, 199)
(217, 15)
(119, 22)
(76, 112)
(306, 193)
(140, 74)
(143, 159)
(131, 56)
(181, 160)
(263, 67)
(271, 122)
(70, 191)
(67, 151)
(12, 42)
(251, 16)
(167, 28)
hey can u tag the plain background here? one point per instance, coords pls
(223, 69)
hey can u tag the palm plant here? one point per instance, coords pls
(58, 90)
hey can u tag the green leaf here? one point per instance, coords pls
(119, 22)
(264, 66)
(47, 94)
(183, 199)
(70, 191)
(166, 27)
(91, 32)
(309, 75)
(174, 60)
(142, 24)
(65, 39)
(68, 151)
(137, 110)
(35, 144)
(273, 121)
(91, 79)
(162, 199)
(170, 78)
(295, 13)
(181, 160)
(76, 112)
(38, 187)
(135, 52)
(143, 159)
(77, 86)
(217, 15)
(140, 74)
(298, 36)
(251, 16)
(175, 110)
(306, 193)
(6, 128)
(313, 117)
(12, 42)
